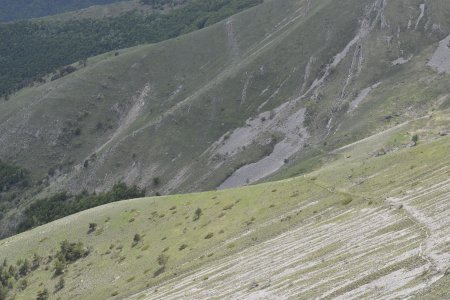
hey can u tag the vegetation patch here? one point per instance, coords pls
(12, 276)
(60, 205)
(31, 49)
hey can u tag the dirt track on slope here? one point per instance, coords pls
(386, 252)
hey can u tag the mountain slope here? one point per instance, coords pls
(362, 226)
(258, 93)
(25, 9)
(340, 107)
(32, 48)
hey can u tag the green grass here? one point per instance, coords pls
(190, 242)
(170, 136)
(226, 215)
(195, 83)
(19, 10)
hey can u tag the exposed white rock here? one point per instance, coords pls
(440, 61)
(362, 95)
(401, 61)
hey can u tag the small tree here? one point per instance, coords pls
(12, 271)
(92, 227)
(137, 238)
(71, 252)
(60, 285)
(415, 139)
(36, 262)
(197, 214)
(3, 291)
(59, 267)
(162, 260)
(22, 285)
(24, 268)
(42, 295)
(156, 180)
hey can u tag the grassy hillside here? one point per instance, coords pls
(320, 128)
(110, 10)
(365, 225)
(32, 49)
(25, 9)
(266, 92)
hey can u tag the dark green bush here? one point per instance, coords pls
(60, 285)
(42, 295)
(92, 227)
(59, 267)
(162, 259)
(136, 239)
(72, 252)
(60, 205)
(156, 180)
(197, 214)
(13, 176)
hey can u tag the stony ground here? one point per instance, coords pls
(393, 250)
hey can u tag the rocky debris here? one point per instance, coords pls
(362, 95)
(286, 121)
(395, 205)
(401, 61)
(379, 152)
(440, 61)
(253, 285)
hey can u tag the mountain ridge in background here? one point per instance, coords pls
(335, 113)
(13, 10)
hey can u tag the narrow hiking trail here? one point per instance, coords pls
(433, 219)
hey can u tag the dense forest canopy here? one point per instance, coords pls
(31, 49)
(12, 10)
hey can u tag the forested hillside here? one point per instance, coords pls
(31, 49)
(24, 9)
(296, 150)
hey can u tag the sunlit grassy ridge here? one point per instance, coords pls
(353, 182)
(334, 99)
(20, 9)
(272, 89)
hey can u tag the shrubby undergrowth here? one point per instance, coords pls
(63, 204)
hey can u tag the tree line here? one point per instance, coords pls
(48, 209)
(31, 49)
(26, 9)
